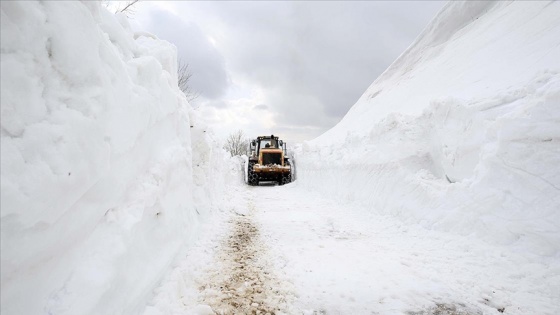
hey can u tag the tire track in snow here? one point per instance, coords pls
(243, 282)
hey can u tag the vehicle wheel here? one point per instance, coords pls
(253, 178)
(286, 179)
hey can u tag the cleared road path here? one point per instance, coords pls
(281, 250)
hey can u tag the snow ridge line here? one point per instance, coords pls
(243, 281)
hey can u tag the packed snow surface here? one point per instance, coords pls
(306, 254)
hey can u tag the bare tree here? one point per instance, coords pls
(125, 7)
(236, 143)
(183, 77)
(128, 6)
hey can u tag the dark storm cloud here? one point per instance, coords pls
(206, 63)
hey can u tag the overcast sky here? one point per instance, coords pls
(288, 68)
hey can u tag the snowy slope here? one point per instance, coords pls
(462, 132)
(105, 176)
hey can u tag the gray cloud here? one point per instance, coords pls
(260, 107)
(206, 63)
(312, 60)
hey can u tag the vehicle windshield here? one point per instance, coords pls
(268, 143)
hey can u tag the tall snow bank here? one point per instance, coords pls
(462, 132)
(99, 182)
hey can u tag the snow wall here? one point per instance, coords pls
(105, 172)
(461, 133)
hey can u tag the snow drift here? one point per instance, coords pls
(462, 132)
(100, 185)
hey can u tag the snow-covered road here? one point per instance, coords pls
(285, 250)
